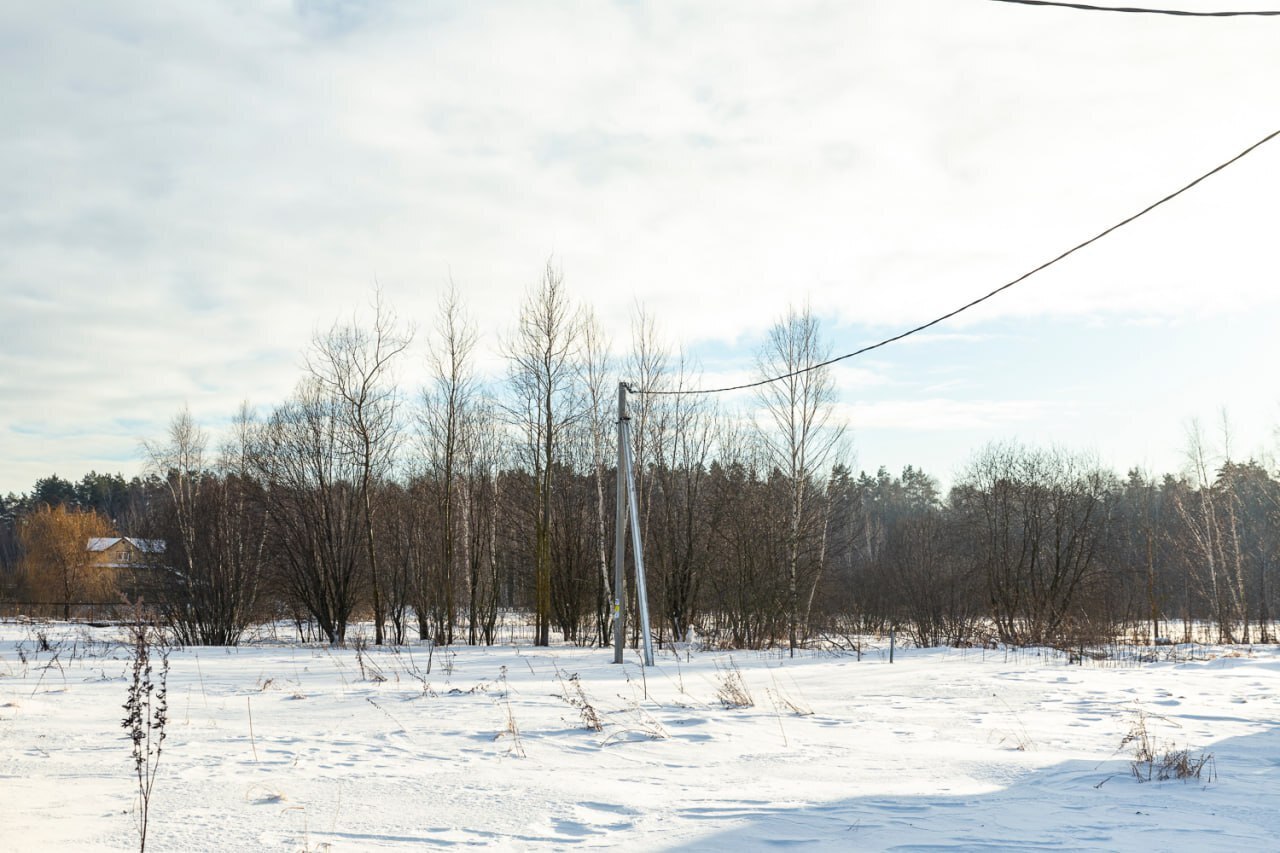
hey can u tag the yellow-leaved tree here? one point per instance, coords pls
(57, 562)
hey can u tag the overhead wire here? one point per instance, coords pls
(1026, 275)
(1141, 10)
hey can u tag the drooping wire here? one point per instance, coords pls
(980, 299)
(1088, 7)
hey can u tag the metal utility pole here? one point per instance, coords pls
(619, 538)
(627, 500)
(637, 551)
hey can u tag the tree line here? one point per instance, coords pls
(466, 507)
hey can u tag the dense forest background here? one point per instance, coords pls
(454, 511)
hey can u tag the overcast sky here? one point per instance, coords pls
(188, 190)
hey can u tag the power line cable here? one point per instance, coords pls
(1141, 10)
(980, 299)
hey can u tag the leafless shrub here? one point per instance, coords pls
(731, 690)
(573, 694)
(636, 721)
(1161, 762)
(1182, 765)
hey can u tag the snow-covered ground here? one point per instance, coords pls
(284, 747)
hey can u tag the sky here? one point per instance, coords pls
(189, 191)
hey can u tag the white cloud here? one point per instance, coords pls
(191, 189)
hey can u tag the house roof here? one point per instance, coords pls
(146, 546)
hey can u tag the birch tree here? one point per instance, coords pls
(354, 364)
(594, 379)
(801, 436)
(541, 353)
(211, 519)
(445, 419)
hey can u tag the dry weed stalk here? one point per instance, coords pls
(369, 671)
(411, 669)
(782, 699)
(574, 695)
(732, 690)
(146, 714)
(1154, 761)
(512, 731)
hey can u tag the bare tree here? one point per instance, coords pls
(443, 423)
(541, 355)
(212, 524)
(354, 364)
(801, 437)
(595, 382)
(314, 505)
(1211, 518)
(482, 455)
(1257, 500)
(928, 586)
(746, 597)
(1039, 519)
(402, 531)
(679, 551)
(1201, 523)
(180, 464)
(648, 366)
(1136, 549)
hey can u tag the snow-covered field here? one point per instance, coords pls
(283, 747)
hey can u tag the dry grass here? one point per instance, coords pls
(795, 703)
(573, 694)
(1154, 761)
(511, 731)
(731, 690)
